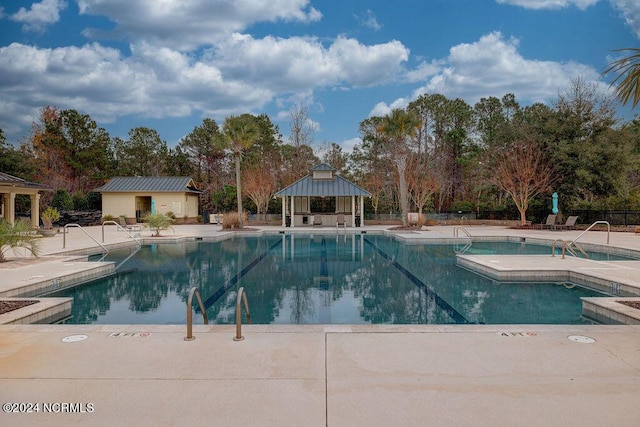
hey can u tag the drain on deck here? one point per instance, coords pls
(74, 338)
(581, 339)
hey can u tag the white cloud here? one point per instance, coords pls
(492, 66)
(368, 19)
(295, 64)
(241, 75)
(630, 10)
(422, 71)
(549, 4)
(348, 144)
(189, 25)
(40, 14)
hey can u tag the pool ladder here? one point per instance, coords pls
(465, 248)
(241, 300)
(567, 247)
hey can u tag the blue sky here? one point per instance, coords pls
(168, 64)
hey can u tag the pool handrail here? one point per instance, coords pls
(458, 228)
(64, 236)
(193, 291)
(566, 246)
(118, 226)
(589, 228)
(242, 297)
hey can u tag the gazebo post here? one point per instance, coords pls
(284, 211)
(353, 211)
(293, 209)
(361, 206)
(35, 210)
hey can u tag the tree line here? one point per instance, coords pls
(437, 154)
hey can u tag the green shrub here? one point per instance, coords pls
(157, 222)
(80, 201)
(62, 200)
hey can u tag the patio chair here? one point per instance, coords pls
(551, 222)
(570, 224)
(341, 222)
(317, 220)
(128, 227)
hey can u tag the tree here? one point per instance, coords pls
(523, 172)
(70, 150)
(260, 184)
(398, 127)
(204, 146)
(241, 133)
(157, 222)
(300, 136)
(143, 154)
(17, 235)
(421, 182)
(17, 162)
(628, 79)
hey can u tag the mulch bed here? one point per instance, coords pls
(7, 306)
(633, 304)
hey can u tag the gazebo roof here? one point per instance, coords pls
(330, 185)
(13, 181)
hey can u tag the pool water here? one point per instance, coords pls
(325, 279)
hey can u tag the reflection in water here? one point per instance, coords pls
(344, 279)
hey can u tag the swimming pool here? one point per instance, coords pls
(323, 278)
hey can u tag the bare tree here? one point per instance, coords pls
(260, 184)
(523, 172)
(301, 134)
(421, 182)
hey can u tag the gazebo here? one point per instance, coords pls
(10, 186)
(322, 182)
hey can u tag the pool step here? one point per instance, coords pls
(44, 311)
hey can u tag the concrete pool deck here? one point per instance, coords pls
(321, 375)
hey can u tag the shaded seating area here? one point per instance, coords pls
(347, 207)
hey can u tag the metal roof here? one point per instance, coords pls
(149, 184)
(307, 186)
(14, 181)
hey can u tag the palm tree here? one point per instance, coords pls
(157, 222)
(628, 80)
(17, 235)
(398, 127)
(241, 133)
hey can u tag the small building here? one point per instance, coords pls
(10, 187)
(322, 182)
(135, 197)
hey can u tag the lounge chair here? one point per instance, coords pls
(551, 222)
(570, 224)
(128, 227)
(341, 222)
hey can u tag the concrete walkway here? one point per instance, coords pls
(321, 375)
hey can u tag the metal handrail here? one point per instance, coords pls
(566, 246)
(458, 228)
(64, 236)
(590, 227)
(241, 297)
(571, 245)
(553, 247)
(193, 291)
(121, 228)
